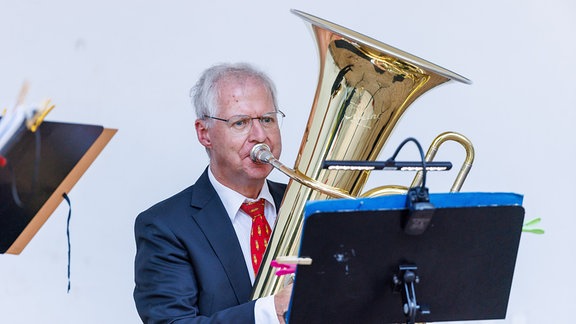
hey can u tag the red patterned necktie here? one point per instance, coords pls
(260, 232)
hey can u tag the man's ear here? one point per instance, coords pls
(202, 133)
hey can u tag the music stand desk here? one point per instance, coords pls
(43, 166)
(464, 260)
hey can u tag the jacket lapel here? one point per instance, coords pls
(219, 232)
(277, 191)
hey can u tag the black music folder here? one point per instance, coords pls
(39, 168)
(366, 269)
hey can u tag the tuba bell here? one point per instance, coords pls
(364, 87)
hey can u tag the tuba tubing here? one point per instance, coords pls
(430, 154)
(466, 165)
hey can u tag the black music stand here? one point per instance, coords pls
(366, 269)
(41, 167)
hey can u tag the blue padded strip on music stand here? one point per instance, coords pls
(439, 200)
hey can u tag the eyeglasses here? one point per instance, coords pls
(242, 123)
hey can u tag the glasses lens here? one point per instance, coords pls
(240, 123)
(272, 120)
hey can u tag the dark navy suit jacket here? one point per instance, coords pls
(189, 267)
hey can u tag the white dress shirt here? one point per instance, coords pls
(264, 310)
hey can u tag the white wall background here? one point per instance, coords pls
(130, 64)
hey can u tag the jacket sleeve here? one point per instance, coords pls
(166, 286)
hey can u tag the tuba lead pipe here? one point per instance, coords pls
(261, 153)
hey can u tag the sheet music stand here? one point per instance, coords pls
(464, 260)
(66, 151)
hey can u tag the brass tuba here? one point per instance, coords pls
(363, 89)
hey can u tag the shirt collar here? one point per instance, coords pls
(232, 200)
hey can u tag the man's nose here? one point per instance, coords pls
(257, 131)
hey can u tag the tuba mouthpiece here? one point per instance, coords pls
(260, 153)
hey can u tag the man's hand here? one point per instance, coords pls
(281, 302)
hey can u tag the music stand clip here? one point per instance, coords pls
(407, 278)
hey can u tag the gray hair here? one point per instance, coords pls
(205, 92)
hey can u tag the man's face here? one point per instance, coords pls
(230, 151)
